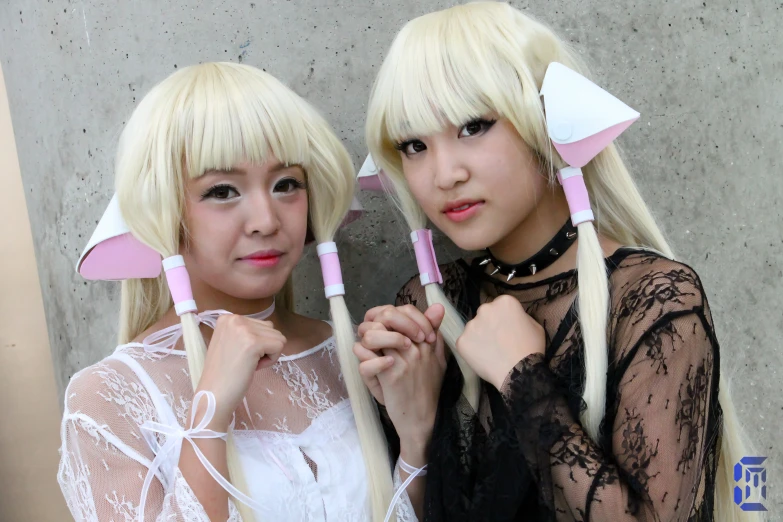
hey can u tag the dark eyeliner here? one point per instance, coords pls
(293, 182)
(485, 123)
(401, 146)
(210, 192)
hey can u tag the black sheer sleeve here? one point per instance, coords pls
(663, 377)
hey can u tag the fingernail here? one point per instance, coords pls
(407, 342)
(390, 360)
(420, 338)
(431, 337)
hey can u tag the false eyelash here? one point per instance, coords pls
(296, 182)
(402, 145)
(293, 181)
(484, 121)
(211, 190)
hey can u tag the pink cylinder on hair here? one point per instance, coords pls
(330, 269)
(179, 284)
(576, 194)
(429, 272)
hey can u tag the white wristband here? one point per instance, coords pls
(411, 470)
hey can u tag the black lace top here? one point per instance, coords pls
(525, 456)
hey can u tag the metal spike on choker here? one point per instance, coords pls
(539, 261)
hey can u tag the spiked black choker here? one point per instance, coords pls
(542, 259)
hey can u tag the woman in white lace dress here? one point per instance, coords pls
(241, 411)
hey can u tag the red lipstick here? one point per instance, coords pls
(462, 209)
(263, 258)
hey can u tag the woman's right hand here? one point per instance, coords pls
(239, 347)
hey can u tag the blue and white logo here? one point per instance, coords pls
(750, 473)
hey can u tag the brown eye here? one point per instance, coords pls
(288, 185)
(475, 127)
(412, 147)
(220, 192)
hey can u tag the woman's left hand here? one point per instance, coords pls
(501, 335)
(410, 386)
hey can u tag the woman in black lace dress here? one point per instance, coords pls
(588, 394)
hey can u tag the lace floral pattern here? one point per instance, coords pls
(403, 509)
(294, 431)
(525, 456)
(306, 391)
(75, 476)
(131, 398)
(124, 509)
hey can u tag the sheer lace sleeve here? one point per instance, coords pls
(412, 293)
(104, 456)
(404, 508)
(664, 361)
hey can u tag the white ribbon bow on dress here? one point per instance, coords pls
(175, 437)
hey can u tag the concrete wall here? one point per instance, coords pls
(706, 77)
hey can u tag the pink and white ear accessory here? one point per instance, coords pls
(371, 177)
(582, 120)
(114, 254)
(355, 211)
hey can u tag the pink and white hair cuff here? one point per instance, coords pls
(179, 285)
(429, 272)
(330, 268)
(576, 194)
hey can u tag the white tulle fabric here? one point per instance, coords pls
(295, 434)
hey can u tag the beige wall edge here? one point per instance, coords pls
(29, 425)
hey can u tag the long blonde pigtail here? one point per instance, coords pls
(331, 193)
(453, 323)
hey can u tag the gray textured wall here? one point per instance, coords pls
(706, 77)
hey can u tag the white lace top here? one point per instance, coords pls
(295, 435)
